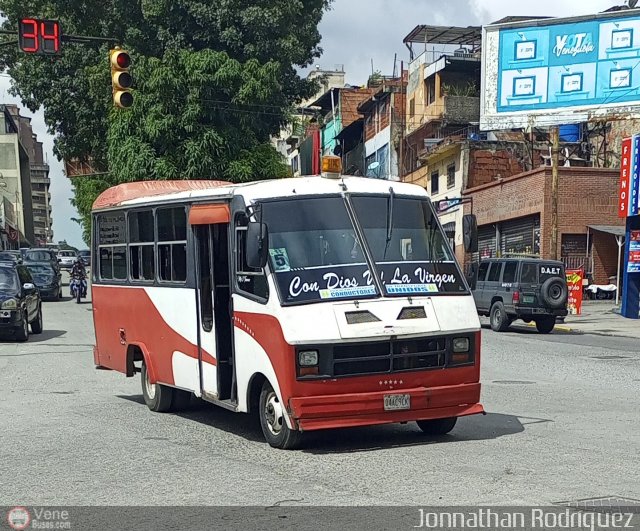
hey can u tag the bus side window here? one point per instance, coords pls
(141, 245)
(249, 280)
(171, 224)
(112, 249)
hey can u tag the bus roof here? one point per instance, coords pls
(138, 193)
(117, 195)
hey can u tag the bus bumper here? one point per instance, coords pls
(366, 409)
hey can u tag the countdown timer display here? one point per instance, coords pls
(39, 36)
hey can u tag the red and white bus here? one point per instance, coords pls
(319, 302)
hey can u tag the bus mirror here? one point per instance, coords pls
(470, 233)
(257, 245)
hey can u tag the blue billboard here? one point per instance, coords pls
(566, 65)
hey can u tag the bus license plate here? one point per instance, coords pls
(396, 402)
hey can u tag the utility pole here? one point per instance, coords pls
(403, 97)
(555, 149)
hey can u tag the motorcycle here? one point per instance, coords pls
(78, 288)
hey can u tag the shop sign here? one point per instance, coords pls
(633, 264)
(625, 178)
(574, 283)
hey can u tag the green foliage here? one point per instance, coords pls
(468, 90)
(213, 81)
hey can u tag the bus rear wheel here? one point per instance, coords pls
(272, 420)
(437, 426)
(158, 397)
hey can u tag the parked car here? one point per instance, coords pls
(86, 257)
(41, 255)
(14, 256)
(20, 303)
(47, 279)
(67, 258)
(506, 289)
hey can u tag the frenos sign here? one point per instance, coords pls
(574, 44)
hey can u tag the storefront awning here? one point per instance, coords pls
(616, 230)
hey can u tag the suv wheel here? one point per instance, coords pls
(554, 292)
(498, 318)
(545, 324)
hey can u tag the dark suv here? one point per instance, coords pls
(20, 303)
(506, 289)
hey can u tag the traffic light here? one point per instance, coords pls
(121, 80)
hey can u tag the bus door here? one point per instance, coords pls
(211, 231)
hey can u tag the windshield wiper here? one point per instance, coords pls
(389, 220)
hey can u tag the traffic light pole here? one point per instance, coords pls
(78, 39)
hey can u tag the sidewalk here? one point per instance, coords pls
(601, 318)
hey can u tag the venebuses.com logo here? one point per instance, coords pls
(18, 518)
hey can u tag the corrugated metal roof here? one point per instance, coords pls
(616, 230)
(445, 35)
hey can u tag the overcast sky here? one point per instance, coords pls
(353, 33)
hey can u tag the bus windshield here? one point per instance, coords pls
(316, 254)
(409, 249)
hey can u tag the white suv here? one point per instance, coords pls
(66, 259)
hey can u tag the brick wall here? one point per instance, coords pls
(486, 164)
(514, 197)
(586, 196)
(350, 99)
(605, 256)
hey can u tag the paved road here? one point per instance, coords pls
(562, 425)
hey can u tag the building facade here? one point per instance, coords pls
(383, 120)
(15, 180)
(514, 218)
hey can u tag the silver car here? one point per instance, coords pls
(66, 259)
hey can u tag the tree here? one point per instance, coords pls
(213, 80)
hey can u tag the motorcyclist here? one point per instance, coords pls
(78, 271)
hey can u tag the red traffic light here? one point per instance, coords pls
(123, 60)
(120, 60)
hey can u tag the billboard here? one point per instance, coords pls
(560, 70)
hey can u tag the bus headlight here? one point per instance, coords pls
(460, 344)
(10, 304)
(308, 358)
(460, 353)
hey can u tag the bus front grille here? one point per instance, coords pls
(395, 355)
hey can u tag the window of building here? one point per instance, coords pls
(431, 90)
(141, 245)
(574, 245)
(412, 107)
(451, 175)
(383, 109)
(172, 244)
(435, 183)
(494, 272)
(509, 275)
(250, 280)
(112, 249)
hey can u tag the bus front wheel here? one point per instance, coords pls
(158, 397)
(272, 420)
(437, 426)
